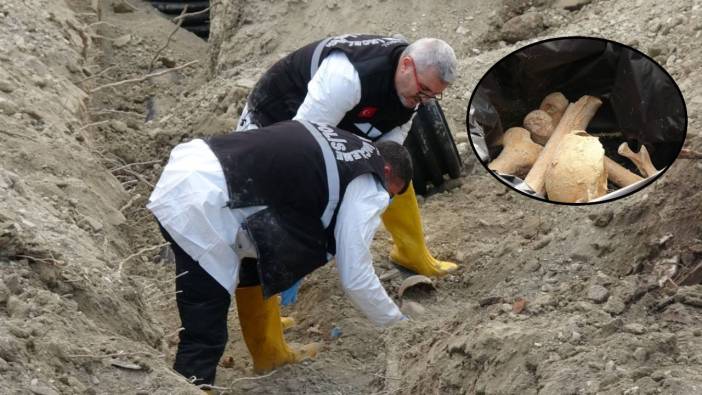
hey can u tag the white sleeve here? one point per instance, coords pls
(333, 90)
(356, 223)
(399, 133)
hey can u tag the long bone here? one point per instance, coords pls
(641, 159)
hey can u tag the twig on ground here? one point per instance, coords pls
(138, 176)
(101, 37)
(117, 354)
(96, 75)
(160, 295)
(106, 112)
(206, 386)
(17, 135)
(101, 23)
(143, 78)
(183, 16)
(44, 260)
(130, 202)
(175, 332)
(136, 254)
(130, 5)
(172, 279)
(179, 19)
(151, 162)
(93, 124)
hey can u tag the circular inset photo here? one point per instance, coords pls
(577, 120)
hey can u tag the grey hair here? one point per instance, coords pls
(433, 53)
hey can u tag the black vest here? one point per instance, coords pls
(300, 170)
(282, 89)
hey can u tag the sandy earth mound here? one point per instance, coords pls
(549, 299)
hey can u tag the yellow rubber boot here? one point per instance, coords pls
(263, 331)
(402, 220)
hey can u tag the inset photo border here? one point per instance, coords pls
(576, 120)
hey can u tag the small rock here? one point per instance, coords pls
(6, 86)
(122, 7)
(41, 389)
(657, 48)
(543, 242)
(166, 61)
(532, 266)
(572, 5)
(644, 371)
(647, 385)
(119, 126)
(413, 309)
(641, 354)
(598, 294)
(506, 307)
(4, 366)
(17, 308)
(522, 27)
(40, 81)
(490, 300)
(8, 107)
(602, 219)
(94, 224)
(314, 329)
(580, 257)
(122, 40)
(636, 329)
(614, 306)
(461, 30)
(17, 331)
(658, 375)
(4, 292)
(576, 336)
(9, 348)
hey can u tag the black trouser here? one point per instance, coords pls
(203, 305)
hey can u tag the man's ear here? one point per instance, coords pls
(387, 171)
(405, 62)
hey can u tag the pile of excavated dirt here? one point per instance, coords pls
(549, 299)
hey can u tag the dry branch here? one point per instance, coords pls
(105, 112)
(136, 254)
(160, 295)
(206, 386)
(130, 202)
(93, 124)
(143, 78)
(117, 354)
(138, 176)
(96, 75)
(151, 162)
(180, 19)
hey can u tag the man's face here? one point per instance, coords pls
(414, 86)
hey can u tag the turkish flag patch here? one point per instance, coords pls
(367, 112)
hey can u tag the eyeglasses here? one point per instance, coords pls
(421, 95)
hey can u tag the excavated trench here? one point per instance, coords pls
(548, 300)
